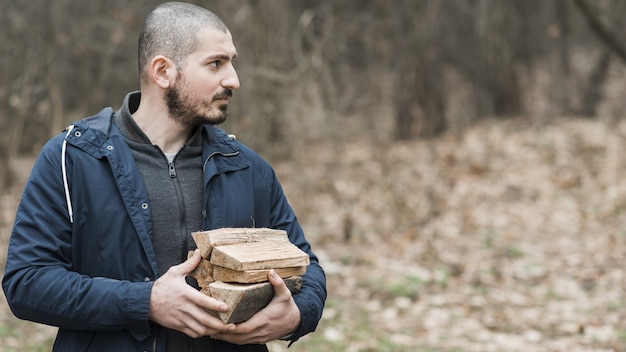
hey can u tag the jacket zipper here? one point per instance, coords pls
(181, 205)
(172, 170)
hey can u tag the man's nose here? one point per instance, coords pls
(231, 81)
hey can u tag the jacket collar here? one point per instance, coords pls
(91, 133)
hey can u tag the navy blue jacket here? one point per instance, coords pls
(80, 255)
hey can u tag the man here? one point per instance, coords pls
(101, 235)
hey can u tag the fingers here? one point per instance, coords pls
(176, 305)
(280, 289)
(185, 309)
(199, 314)
(279, 318)
(208, 303)
(205, 325)
(188, 265)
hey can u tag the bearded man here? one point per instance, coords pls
(101, 235)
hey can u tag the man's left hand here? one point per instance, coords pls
(279, 318)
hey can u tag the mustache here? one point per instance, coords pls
(225, 94)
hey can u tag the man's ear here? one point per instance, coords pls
(162, 71)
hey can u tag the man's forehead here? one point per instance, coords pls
(215, 41)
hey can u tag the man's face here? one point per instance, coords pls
(205, 83)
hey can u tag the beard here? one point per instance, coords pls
(191, 110)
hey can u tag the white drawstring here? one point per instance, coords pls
(65, 185)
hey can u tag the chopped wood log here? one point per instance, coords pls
(203, 273)
(245, 300)
(235, 265)
(207, 240)
(259, 256)
(253, 276)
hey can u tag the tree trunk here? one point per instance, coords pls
(419, 83)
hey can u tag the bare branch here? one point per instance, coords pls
(601, 30)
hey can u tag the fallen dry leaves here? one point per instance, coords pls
(508, 237)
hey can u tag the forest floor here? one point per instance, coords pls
(509, 236)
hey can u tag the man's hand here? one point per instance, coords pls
(176, 305)
(279, 318)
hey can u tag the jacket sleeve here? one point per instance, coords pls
(39, 282)
(312, 295)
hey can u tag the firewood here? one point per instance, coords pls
(253, 276)
(259, 255)
(235, 265)
(207, 240)
(245, 300)
(203, 273)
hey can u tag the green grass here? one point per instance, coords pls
(17, 336)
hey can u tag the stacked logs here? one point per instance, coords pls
(235, 265)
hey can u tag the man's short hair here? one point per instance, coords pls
(171, 30)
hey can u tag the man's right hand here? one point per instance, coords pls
(176, 305)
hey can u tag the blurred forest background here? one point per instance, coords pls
(457, 164)
(314, 70)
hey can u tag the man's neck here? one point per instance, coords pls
(169, 135)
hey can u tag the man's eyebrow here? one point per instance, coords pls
(220, 57)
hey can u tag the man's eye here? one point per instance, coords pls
(214, 64)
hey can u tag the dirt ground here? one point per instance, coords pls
(510, 236)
